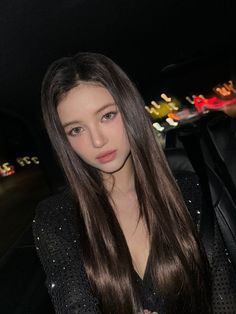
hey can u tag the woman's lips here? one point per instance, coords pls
(106, 157)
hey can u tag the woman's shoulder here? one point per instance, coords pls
(56, 201)
(55, 209)
(188, 183)
(191, 190)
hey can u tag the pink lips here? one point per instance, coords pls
(106, 156)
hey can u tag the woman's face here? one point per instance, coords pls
(94, 127)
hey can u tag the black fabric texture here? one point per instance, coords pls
(57, 245)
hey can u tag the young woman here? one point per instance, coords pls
(120, 238)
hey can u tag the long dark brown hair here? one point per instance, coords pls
(178, 263)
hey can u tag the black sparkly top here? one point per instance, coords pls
(57, 245)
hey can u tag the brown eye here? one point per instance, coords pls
(109, 115)
(75, 131)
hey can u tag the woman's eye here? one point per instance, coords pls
(109, 116)
(75, 131)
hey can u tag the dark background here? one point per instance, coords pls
(142, 36)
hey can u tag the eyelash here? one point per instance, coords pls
(113, 113)
(70, 133)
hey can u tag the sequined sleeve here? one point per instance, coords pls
(57, 248)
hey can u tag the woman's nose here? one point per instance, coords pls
(98, 137)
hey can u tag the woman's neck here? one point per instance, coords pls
(120, 182)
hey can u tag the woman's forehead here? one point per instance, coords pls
(84, 99)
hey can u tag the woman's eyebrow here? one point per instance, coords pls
(69, 123)
(104, 107)
(66, 124)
